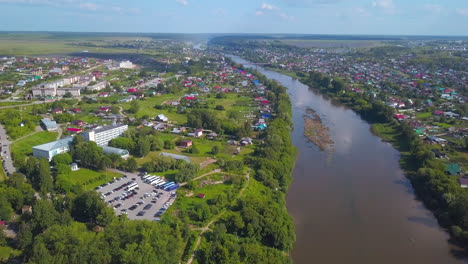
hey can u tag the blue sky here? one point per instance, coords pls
(394, 17)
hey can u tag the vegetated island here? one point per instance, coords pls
(316, 132)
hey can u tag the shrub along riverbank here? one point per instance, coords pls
(440, 193)
(258, 228)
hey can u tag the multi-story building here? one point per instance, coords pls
(126, 65)
(103, 135)
(97, 87)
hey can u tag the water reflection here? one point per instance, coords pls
(355, 206)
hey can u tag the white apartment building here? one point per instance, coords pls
(103, 135)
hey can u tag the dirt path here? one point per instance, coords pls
(214, 220)
(36, 130)
(121, 112)
(201, 176)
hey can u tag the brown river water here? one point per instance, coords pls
(353, 204)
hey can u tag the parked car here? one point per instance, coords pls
(141, 213)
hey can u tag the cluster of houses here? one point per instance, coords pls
(397, 81)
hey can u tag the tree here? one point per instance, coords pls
(44, 215)
(132, 165)
(6, 211)
(31, 166)
(194, 149)
(134, 107)
(215, 150)
(169, 144)
(87, 207)
(122, 143)
(63, 158)
(143, 146)
(45, 183)
(25, 236)
(219, 108)
(187, 172)
(156, 144)
(63, 184)
(63, 169)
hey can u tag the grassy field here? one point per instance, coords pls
(13, 103)
(424, 115)
(444, 125)
(24, 146)
(20, 44)
(90, 179)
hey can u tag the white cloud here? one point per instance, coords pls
(88, 6)
(259, 13)
(266, 6)
(183, 2)
(286, 17)
(433, 8)
(219, 12)
(361, 11)
(387, 5)
(462, 11)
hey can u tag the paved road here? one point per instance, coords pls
(6, 154)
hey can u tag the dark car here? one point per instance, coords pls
(141, 213)
(148, 206)
(133, 207)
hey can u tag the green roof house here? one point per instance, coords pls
(453, 169)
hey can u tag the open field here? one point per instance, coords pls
(91, 179)
(20, 44)
(23, 147)
(424, 115)
(332, 43)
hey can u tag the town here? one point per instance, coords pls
(148, 144)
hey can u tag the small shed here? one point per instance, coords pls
(74, 167)
(201, 195)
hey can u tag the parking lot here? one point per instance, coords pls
(144, 201)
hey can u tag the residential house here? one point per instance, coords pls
(48, 125)
(452, 169)
(162, 118)
(186, 143)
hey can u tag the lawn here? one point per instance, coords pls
(91, 179)
(390, 134)
(423, 115)
(23, 147)
(444, 125)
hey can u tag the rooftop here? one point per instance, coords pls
(65, 142)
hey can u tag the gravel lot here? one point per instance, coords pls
(151, 200)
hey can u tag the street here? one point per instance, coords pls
(5, 152)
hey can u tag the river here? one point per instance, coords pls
(353, 204)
